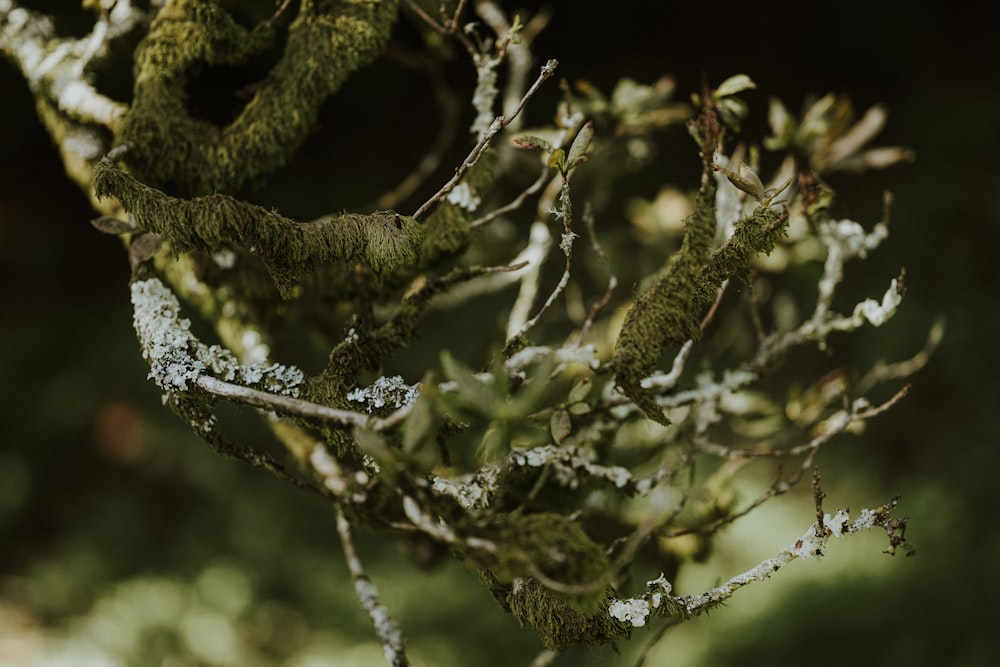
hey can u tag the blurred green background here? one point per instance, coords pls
(125, 541)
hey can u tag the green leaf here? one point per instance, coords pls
(747, 180)
(472, 392)
(560, 425)
(580, 389)
(419, 425)
(734, 84)
(733, 110)
(375, 445)
(782, 126)
(558, 160)
(581, 144)
(531, 142)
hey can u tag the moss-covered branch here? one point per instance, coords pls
(173, 149)
(386, 240)
(669, 313)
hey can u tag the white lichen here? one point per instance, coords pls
(878, 313)
(631, 610)
(568, 465)
(472, 491)
(225, 259)
(484, 96)
(177, 358)
(464, 197)
(566, 242)
(385, 391)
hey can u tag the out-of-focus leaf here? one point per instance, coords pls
(558, 160)
(144, 246)
(733, 110)
(419, 429)
(111, 225)
(734, 84)
(580, 390)
(472, 392)
(782, 126)
(560, 425)
(531, 142)
(860, 134)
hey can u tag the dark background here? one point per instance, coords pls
(103, 493)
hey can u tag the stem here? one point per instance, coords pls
(388, 631)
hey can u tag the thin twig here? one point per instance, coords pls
(602, 257)
(516, 203)
(883, 372)
(566, 213)
(834, 425)
(500, 122)
(290, 405)
(278, 12)
(386, 628)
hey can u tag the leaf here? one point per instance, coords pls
(560, 425)
(111, 225)
(782, 126)
(378, 448)
(751, 177)
(578, 150)
(734, 84)
(746, 180)
(472, 392)
(852, 141)
(580, 389)
(419, 425)
(558, 160)
(733, 110)
(531, 142)
(144, 246)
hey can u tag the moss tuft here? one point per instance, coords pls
(558, 623)
(553, 544)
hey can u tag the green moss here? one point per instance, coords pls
(561, 550)
(670, 312)
(559, 624)
(554, 544)
(385, 240)
(171, 149)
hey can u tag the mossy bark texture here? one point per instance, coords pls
(385, 240)
(669, 313)
(171, 149)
